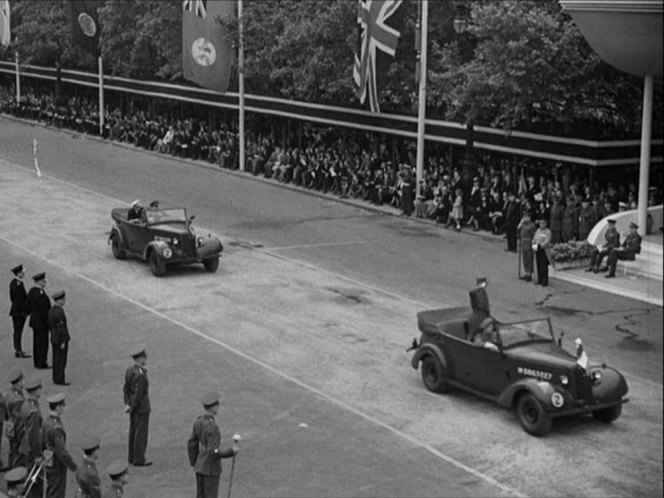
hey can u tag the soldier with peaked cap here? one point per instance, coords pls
(19, 310)
(204, 452)
(627, 251)
(12, 402)
(137, 404)
(117, 471)
(40, 305)
(57, 325)
(87, 476)
(55, 440)
(31, 443)
(15, 480)
(611, 241)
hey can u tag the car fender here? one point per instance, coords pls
(428, 349)
(542, 390)
(209, 246)
(115, 231)
(156, 245)
(611, 386)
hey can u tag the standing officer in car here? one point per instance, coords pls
(40, 305)
(57, 324)
(19, 310)
(55, 440)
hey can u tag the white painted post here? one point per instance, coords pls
(644, 164)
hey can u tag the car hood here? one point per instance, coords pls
(542, 353)
(170, 228)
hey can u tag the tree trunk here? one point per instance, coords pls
(58, 82)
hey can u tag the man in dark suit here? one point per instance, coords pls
(137, 404)
(204, 452)
(40, 305)
(19, 310)
(57, 325)
(512, 218)
(627, 251)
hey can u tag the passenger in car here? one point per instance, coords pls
(136, 213)
(488, 338)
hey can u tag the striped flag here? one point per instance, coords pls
(5, 25)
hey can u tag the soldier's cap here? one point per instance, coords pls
(17, 269)
(117, 468)
(612, 221)
(56, 398)
(16, 475)
(33, 383)
(15, 376)
(90, 443)
(633, 225)
(137, 202)
(480, 281)
(137, 353)
(210, 399)
(59, 295)
(39, 276)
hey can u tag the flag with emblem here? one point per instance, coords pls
(374, 36)
(206, 51)
(85, 24)
(581, 356)
(5, 25)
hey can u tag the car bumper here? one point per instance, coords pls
(587, 408)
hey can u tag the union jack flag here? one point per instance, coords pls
(200, 9)
(374, 34)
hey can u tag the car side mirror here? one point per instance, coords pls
(191, 218)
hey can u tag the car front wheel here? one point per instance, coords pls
(433, 375)
(211, 264)
(118, 253)
(608, 415)
(533, 416)
(157, 264)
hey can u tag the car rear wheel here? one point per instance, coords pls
(118, 253)
(608, 415)
(533, 416)
(157, 264)
(211, 264)
(433, 375)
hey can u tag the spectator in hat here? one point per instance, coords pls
(611, 241)
(137, 405)
(541, 245)
(15, 480)
(204, 449)
(55, 441)
(117, 471)
(87, 476)
(474, 203)
(12, 402)
(496, 213)
(40, 305)
(57, 325)
(19, 310)
(31, 443)
(526, 233)
(627, 251)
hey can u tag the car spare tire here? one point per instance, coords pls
(433, 374)
(157, 264)
(533, 417)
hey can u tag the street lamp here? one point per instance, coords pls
(461, 20)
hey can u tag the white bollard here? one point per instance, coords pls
(34, 156)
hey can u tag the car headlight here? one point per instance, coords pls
(175, 242)
(167, 253)
(596, 375)
(557, 400)
(564, 380)
(199, 241)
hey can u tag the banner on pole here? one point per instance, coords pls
(5, 24)
(206, 51)
(85, 24)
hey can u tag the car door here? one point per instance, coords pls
(482, 368)
(138, 236)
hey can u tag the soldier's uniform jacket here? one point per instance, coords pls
(114, 491)
(136, 390)
(88, 480)
(526, 233)
(203, 447)
(55, 438)
(557, 213)
(632, 243)
(12, 402)
(40, 305)
(611, 238)
(31, 420)
(19, 298)
(586, 221)
(57, 324)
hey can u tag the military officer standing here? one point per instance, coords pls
(40, 305)
(137, 404)
(31, 443)
(204, 452)
(57, 325)
(541, 245)
(117, 471)
(12, 402)
(15, 480)
(87, 477)
(526, 233)
(587, 219)
(55, 440)
(19, 310)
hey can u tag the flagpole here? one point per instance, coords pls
(421, 112)
(18, 78)
(101, 96)
(241, 83)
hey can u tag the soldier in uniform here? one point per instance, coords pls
(19, 310)
(55, 440)
(627, 251)
(557, 212)
(570, 219)
(611, 241)
(12, 402)
(40, 305)
(87, 477)
(31, 443)
(587, 219)
(137, 404)
(511, 221)
(15, 480)
(541, 244)
(57, 324)
(204, 452)
(526, 233)
(117, 471)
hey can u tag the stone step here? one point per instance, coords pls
(647, 263)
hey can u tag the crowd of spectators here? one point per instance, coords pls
(359, 168)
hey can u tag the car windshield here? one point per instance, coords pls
(177, 215)
(530, 331)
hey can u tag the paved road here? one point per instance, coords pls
(347, 282)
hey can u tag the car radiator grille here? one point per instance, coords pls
(584, 385)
